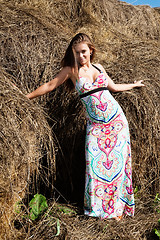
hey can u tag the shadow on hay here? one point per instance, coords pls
(69, 132)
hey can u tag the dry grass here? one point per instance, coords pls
(26, 143)
(34, 36)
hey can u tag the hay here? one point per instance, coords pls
(25, 142)
(34, 36)
(76, 226)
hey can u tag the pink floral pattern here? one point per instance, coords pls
(108, 185)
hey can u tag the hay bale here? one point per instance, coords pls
(34, 36)
(32, 44)
(25, 141)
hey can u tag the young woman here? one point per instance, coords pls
(108, 180)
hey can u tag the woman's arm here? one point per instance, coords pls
(113, 87)
(61, 77)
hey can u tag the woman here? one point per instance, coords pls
(108, 181)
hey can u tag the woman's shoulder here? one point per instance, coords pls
(71, 73)
(99, 66)
(67, 69)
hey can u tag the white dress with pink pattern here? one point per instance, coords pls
(108, 181)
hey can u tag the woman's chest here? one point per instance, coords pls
(84, 84)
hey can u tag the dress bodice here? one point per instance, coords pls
(99, 104)
(84, 85)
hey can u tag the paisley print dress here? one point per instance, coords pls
(108, 178)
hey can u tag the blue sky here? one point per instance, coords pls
(151, 3)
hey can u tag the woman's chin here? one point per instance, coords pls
(82, 63)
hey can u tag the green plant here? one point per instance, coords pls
(58, 228)
(38, 205)
(136, 190)
(157, 208)
(157, 232)
(157, 203)
(65, 210)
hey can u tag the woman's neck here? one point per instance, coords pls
(85, 67)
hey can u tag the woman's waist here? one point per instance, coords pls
(91, 92)
(104, 117)
(100, 101)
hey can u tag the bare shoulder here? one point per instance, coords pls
(67, 70)
(99, 66)
(69, 73)
(65, 73)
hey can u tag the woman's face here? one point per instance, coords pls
(82, 52)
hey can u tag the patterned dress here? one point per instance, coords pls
(108, 179)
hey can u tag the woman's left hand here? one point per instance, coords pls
(139, 83)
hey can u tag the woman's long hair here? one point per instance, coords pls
(69, 57)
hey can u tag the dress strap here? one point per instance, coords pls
(97, 68)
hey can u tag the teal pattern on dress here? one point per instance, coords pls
(108, 178)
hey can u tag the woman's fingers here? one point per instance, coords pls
(139, 83)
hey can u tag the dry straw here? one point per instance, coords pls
(26, 149)
(34, 35)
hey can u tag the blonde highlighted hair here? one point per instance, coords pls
(69, 57)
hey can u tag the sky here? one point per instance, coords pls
(151, 3)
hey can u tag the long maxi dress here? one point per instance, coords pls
(108, 177)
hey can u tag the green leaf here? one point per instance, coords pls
(136, 190)
(156, 203)
(157, 232)
(157, 199)
(105, 227)
(18, 206)
(37, 206)
(66, 210)
(58, 228)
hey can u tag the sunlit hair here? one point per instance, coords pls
(69, 57)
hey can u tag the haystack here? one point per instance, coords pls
(26, 143)
(34, 36)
